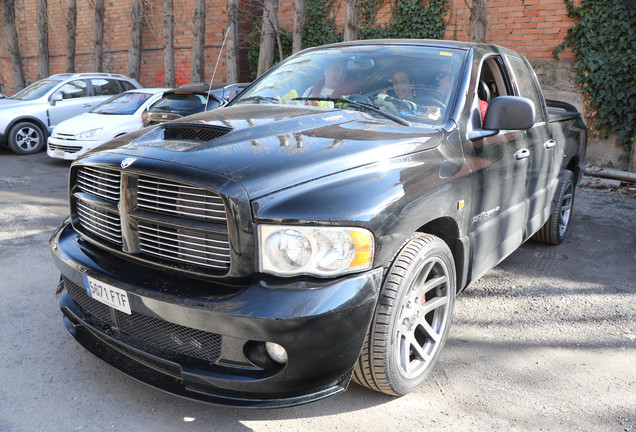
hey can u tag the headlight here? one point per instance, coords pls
(317, 251)
(88, 134)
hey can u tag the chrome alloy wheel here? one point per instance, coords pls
(423, 318)
(27, 138)
(566, 208)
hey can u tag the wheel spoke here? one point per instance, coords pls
(433, 304)
(418, 349)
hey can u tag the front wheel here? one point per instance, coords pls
(556, 227)
(412, 318)
(26, 138)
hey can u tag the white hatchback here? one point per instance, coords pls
(114, 117)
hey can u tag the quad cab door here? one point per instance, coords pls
(545, 156)
(500, 174)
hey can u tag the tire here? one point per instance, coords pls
(556, 227)
(412, 318)
(26, 138)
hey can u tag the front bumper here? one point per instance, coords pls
(69, 149)
(210, 346)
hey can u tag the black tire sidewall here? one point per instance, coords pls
(433, 246)
(568, 180)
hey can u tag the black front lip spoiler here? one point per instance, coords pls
(144, 368)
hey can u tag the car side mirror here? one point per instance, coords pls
(505, 112)
(56, 97)
(509, 112)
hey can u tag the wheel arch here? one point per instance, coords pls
(447, 229)
(30, 119)
(573, 165)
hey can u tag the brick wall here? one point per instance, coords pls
(532, 27)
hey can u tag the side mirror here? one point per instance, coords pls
(56, 97)
(509, 112)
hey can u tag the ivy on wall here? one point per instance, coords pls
(603, 39)
(320, 27)
(413, 19)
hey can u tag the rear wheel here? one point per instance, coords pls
(412, 318)
(26, 138)
(556, 227)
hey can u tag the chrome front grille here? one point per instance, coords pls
(102, 183)
(190, 247)
(65, 148)
(153, 219)
(100, 221)
(167, 197)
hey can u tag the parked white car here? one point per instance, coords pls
(27, 117)
(114, 117)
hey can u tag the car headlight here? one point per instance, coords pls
(88, 134)
(317, 251)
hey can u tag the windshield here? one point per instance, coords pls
(412, 83)
(36, 90)
(122, 104)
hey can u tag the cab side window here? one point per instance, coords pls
(127, 86)
(490, 85)
(527, 85)
(73, 89)
(104, 87)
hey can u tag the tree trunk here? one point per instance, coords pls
(168, 38)
(133, 66)
(478, 21)
(41, 13)
(231, 59)
(14, 46)
(268, 35)
(351, 20)
(299, 17)
(632, 157)
(198, 47)
(98, 42)
(71, 35)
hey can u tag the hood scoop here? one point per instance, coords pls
(192, 132)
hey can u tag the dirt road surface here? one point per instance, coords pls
(546, 341)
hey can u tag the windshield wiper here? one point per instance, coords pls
(369, 106)
(259, 98)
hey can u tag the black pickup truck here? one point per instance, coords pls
(318, 228)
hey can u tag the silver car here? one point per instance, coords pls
(27, 118)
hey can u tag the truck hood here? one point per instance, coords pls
(273, 147)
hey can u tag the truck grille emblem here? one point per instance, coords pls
(127, 162)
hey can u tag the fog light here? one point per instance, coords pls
(276, 352)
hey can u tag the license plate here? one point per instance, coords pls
(107, 294)
(59, 153)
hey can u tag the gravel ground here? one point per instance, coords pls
(545, 341)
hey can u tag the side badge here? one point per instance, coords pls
(128, 162)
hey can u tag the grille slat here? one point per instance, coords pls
(100, 222)
(220, 245)
(99, 182)
(176, 199)
(177, 245)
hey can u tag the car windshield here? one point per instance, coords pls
(36, 90)
(122, 104)
(404, 83)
